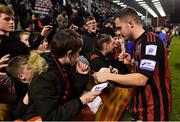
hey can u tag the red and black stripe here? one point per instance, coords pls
(153, 101)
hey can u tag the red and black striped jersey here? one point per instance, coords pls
(152, 101)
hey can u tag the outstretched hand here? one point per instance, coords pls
(2, 65)
(46, 30)
(73, 27)
(89, 96)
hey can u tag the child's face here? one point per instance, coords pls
(44, 45)
(26, 75)
(25, 39)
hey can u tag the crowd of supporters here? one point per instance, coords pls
(47, 60)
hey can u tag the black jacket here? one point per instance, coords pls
(10, 45)
(47, 90)
(13, 47)
(98, 60)
(89, 41)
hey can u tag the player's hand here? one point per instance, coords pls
(101, 75)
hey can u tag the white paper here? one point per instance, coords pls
(95, 104)
(99, 86)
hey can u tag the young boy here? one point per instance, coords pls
(7, 44)
(21, 68)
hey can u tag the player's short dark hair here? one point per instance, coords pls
(127, 13)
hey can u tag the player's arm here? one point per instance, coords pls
(135, 79)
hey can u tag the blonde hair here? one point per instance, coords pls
(24, 33)
(36, 63)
